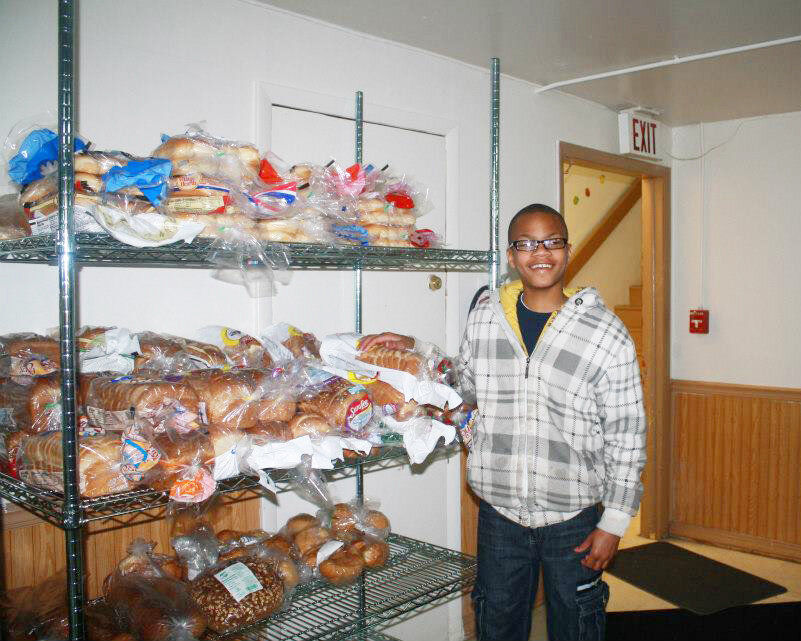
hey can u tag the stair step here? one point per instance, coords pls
(630, 315)
(635, 295)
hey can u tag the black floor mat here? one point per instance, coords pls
(689, 580)
(768, 622)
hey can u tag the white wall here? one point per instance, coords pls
(149, 67)
(751, 266)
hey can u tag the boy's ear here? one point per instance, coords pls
(569, 252)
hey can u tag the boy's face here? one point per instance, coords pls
(541, 269)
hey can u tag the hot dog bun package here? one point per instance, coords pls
(406, 371)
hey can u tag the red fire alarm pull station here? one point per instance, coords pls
(699, 321)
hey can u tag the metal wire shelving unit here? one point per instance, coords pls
(417, 574)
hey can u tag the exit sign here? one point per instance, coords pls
(639, 135)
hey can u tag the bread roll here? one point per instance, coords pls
(402, 360)
(99, 162)
(300, 522)
(342, 567)
(375, 520)
(191, 155)
(343, 404)
(280, 543)
(311, 537)
(343, 522)
(176, 456)
(99, 463)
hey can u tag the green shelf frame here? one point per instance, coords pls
(101, 249)
(417, 574)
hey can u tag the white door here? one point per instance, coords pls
(414, 499)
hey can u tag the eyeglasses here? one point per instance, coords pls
(530, 245)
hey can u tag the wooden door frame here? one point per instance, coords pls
(655, 508)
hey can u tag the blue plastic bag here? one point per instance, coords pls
(150, 175)
(39, 148)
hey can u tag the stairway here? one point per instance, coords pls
(631, 315)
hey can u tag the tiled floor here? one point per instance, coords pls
(624, 596)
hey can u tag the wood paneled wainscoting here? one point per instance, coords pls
(34, 549)
(736, 467)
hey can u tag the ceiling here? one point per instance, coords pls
(545, 41)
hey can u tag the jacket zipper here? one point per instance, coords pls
(528, 359)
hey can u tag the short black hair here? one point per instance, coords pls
(536, 208)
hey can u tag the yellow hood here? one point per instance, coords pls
(510, 292)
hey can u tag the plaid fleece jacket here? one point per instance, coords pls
(562, 429)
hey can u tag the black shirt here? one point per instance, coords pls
(531, 324)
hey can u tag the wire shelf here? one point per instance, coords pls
(417, 574)
(101, 249)
(48, 504)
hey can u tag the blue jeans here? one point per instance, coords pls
(509, 558)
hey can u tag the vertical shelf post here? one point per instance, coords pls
(495, 161)
(357, 294)
(66, 272)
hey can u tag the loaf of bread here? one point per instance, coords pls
(169, 402)
(155, 608)
(221, 609)
(402, 360)
(27, 354)
(40, 462)
(270, 431)
(238, 398)
(343, 404)
(309, 424)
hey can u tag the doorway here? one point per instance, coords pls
(651, 186)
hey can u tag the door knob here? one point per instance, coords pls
(434, 282)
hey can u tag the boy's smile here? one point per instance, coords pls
(542, 271)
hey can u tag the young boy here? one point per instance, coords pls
(561, 431)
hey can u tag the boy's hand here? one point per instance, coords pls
(386, 339)
(602, 546)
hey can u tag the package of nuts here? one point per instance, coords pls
(238, 592)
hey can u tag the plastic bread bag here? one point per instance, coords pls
(165, 353)
(240, 349)
(310, 484)
(163, 403)
(197, 550)
(136, 222)
(238, 592)
(406, 371)
(155, 608)
(291, 574)
(13, 222)
(285, 342)
(245, 398)
(421, 434)
(181, 464)
(197, 151)
(30, 150)
(40, 461)
(242, 260)
(142, 560)
(303, 224)
(355, 519)
(231, 451)
(344, 404)
(106, 349)
(28, 354)
(149, 176)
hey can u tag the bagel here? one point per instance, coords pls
(300, 522)
(342, 567)
(311, 537)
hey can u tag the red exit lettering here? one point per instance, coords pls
(643, 136)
